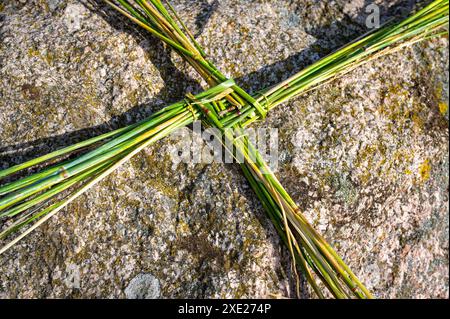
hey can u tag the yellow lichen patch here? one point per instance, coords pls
(33, 52)
(425, 170)
(44, 5)
(49, 57)
(183, 227)
(138, 77)
(439, 90)
(419, 122)
(443, 108)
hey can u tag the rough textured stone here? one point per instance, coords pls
(365, 157)
(143, 286)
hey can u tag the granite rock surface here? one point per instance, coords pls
(365, 157)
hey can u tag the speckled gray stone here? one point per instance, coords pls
(143, 286)
(365, 157)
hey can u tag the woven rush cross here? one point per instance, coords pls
(29, 201)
